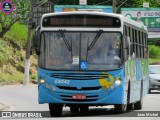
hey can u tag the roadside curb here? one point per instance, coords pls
(5, 107)
(19, 85)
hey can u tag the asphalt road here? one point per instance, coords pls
(24, 98)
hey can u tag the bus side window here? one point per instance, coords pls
(132, 41)
(126, 43)
(145, 53)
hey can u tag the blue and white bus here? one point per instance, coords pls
(91, 59)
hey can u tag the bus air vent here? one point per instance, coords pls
(75, 88)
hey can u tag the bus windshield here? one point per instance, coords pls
(66, 50)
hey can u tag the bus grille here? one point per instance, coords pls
(79, 76)
(75, 88)
(68, 98)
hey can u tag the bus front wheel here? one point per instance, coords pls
(74, 109)
(130, 106)
(84, 108)
(55, 109)
(120, 108)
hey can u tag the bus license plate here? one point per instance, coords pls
(78, 97)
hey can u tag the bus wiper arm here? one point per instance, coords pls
(65, 40)
(95, 39)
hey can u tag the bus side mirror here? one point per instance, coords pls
(36, 40)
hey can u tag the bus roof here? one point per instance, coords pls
(122, 18)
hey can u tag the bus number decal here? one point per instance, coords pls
(61, 81)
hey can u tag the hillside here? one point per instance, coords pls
(12, 56)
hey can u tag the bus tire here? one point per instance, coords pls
(120, 108)
(130, 106)
(149, 90)
(55, 109)
(74, 109)
(84, 108)
(138, 104)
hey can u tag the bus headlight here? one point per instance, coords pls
(118, 82)
(42, 81)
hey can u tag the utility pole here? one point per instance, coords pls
(114, 6)
(27, 60)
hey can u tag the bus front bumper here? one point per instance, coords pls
(95, 97)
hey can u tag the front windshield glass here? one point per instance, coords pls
(63, 50)
(154, 70)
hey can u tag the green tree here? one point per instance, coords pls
(20, 13)
(89, 2)
(152, 3)
(119, 5)
(125, 3)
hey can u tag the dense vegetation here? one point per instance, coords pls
(135, 3)
(120, 3)
(154, 52)
(12, 56)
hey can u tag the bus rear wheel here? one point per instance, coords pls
(120, 108)
(149, 90)
(55, 109)
(138, 104)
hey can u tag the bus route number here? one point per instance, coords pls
(61, 81)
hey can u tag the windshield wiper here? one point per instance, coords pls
(95, 39)
(65, 40)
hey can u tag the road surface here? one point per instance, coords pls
(24, 98)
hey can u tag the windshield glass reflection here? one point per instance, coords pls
(63, 50)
